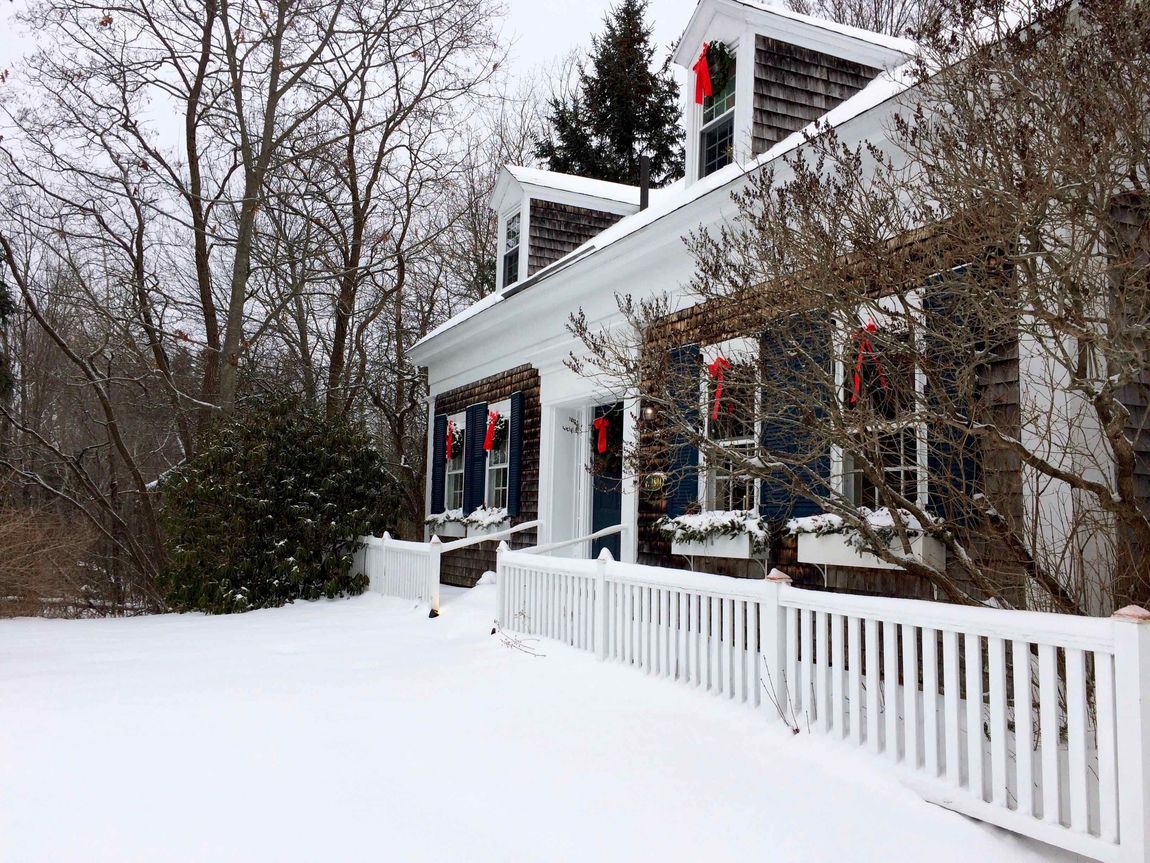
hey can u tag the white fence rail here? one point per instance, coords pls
(407, 570)
(410, 570)
(1038, 723)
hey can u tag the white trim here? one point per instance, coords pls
(742, 349)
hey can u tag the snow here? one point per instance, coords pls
(895, 43)
(361, 730)
(876, 519)
(487, 516)
(575, 184)
(717, 521)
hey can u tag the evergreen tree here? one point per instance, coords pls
(268, 509)
(622, 106)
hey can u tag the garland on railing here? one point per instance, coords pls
(704, 526)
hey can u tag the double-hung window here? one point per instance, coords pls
(498, 457)
(511, 251)
(729, 409)
(881, 392)
(717, 136)
(453, 475)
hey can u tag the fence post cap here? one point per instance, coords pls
(386, 535)
(605, 555)
(778, 575)
(435, 540)
(1132, 614)
(503, 546)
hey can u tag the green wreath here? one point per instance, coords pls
(720, 64)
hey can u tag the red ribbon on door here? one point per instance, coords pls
(717, 368)
(702, 77)
(449, 443)
(865, 348)
(489, 438)
(601, 425)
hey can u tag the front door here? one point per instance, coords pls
(606, 475)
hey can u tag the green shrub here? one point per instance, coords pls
(268, 509)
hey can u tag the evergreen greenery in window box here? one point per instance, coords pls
(485, 520)
(739, 534)
(825, 539)
(449, 523)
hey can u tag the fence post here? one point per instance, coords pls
(435, 552)
(774, 633)
(600, 604)
(1132, 715)
(500, 584)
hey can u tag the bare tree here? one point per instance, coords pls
(894, 17)
(953, 328)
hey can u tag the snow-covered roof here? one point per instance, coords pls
(575, 184)
(665, 201)
(895, 43)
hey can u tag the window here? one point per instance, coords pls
(511, 251)
(717, 138)
(453, 475)
(732, 428)
(498, 459)
(880, 389)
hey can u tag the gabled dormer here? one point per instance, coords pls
(543, 216)
(777, 71)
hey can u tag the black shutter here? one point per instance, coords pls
(683, 481)
(797, 351)
(954, 472)
(475, 458)
(438, 462)
(514, 453)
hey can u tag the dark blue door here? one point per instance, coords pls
(607, 476)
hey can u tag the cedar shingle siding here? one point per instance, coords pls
(794, 86)
(558, 229)
(464, 567)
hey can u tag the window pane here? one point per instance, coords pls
(736, 417)
(716, 146)
(512, 240)
(511, 267)
(721, 102)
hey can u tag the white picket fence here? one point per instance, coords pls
(396, 567)
(410, 570)
(1059, 705)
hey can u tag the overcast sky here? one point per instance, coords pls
(538, 31)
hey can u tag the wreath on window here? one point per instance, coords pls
(720, 64)
(499, 432)
(453, 445)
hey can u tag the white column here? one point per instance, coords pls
(629, 541)
(1132, 715)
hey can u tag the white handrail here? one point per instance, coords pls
(489, 537)
(599, 534)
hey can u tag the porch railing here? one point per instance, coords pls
(410, 570)
(1038, 723)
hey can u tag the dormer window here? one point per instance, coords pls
(511, 252)
(717, 137)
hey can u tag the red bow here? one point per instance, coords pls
(702, 77)
(601, 424)
(450, 438)
(865, 347)
(717, 368)
(489, 438)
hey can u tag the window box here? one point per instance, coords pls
(487, 520)
(738, 547)
(449, 529)
(737, 534)
(838, 548)
(449, 524)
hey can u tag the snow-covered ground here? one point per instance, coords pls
(361, 730)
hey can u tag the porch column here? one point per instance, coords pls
(629, 542)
